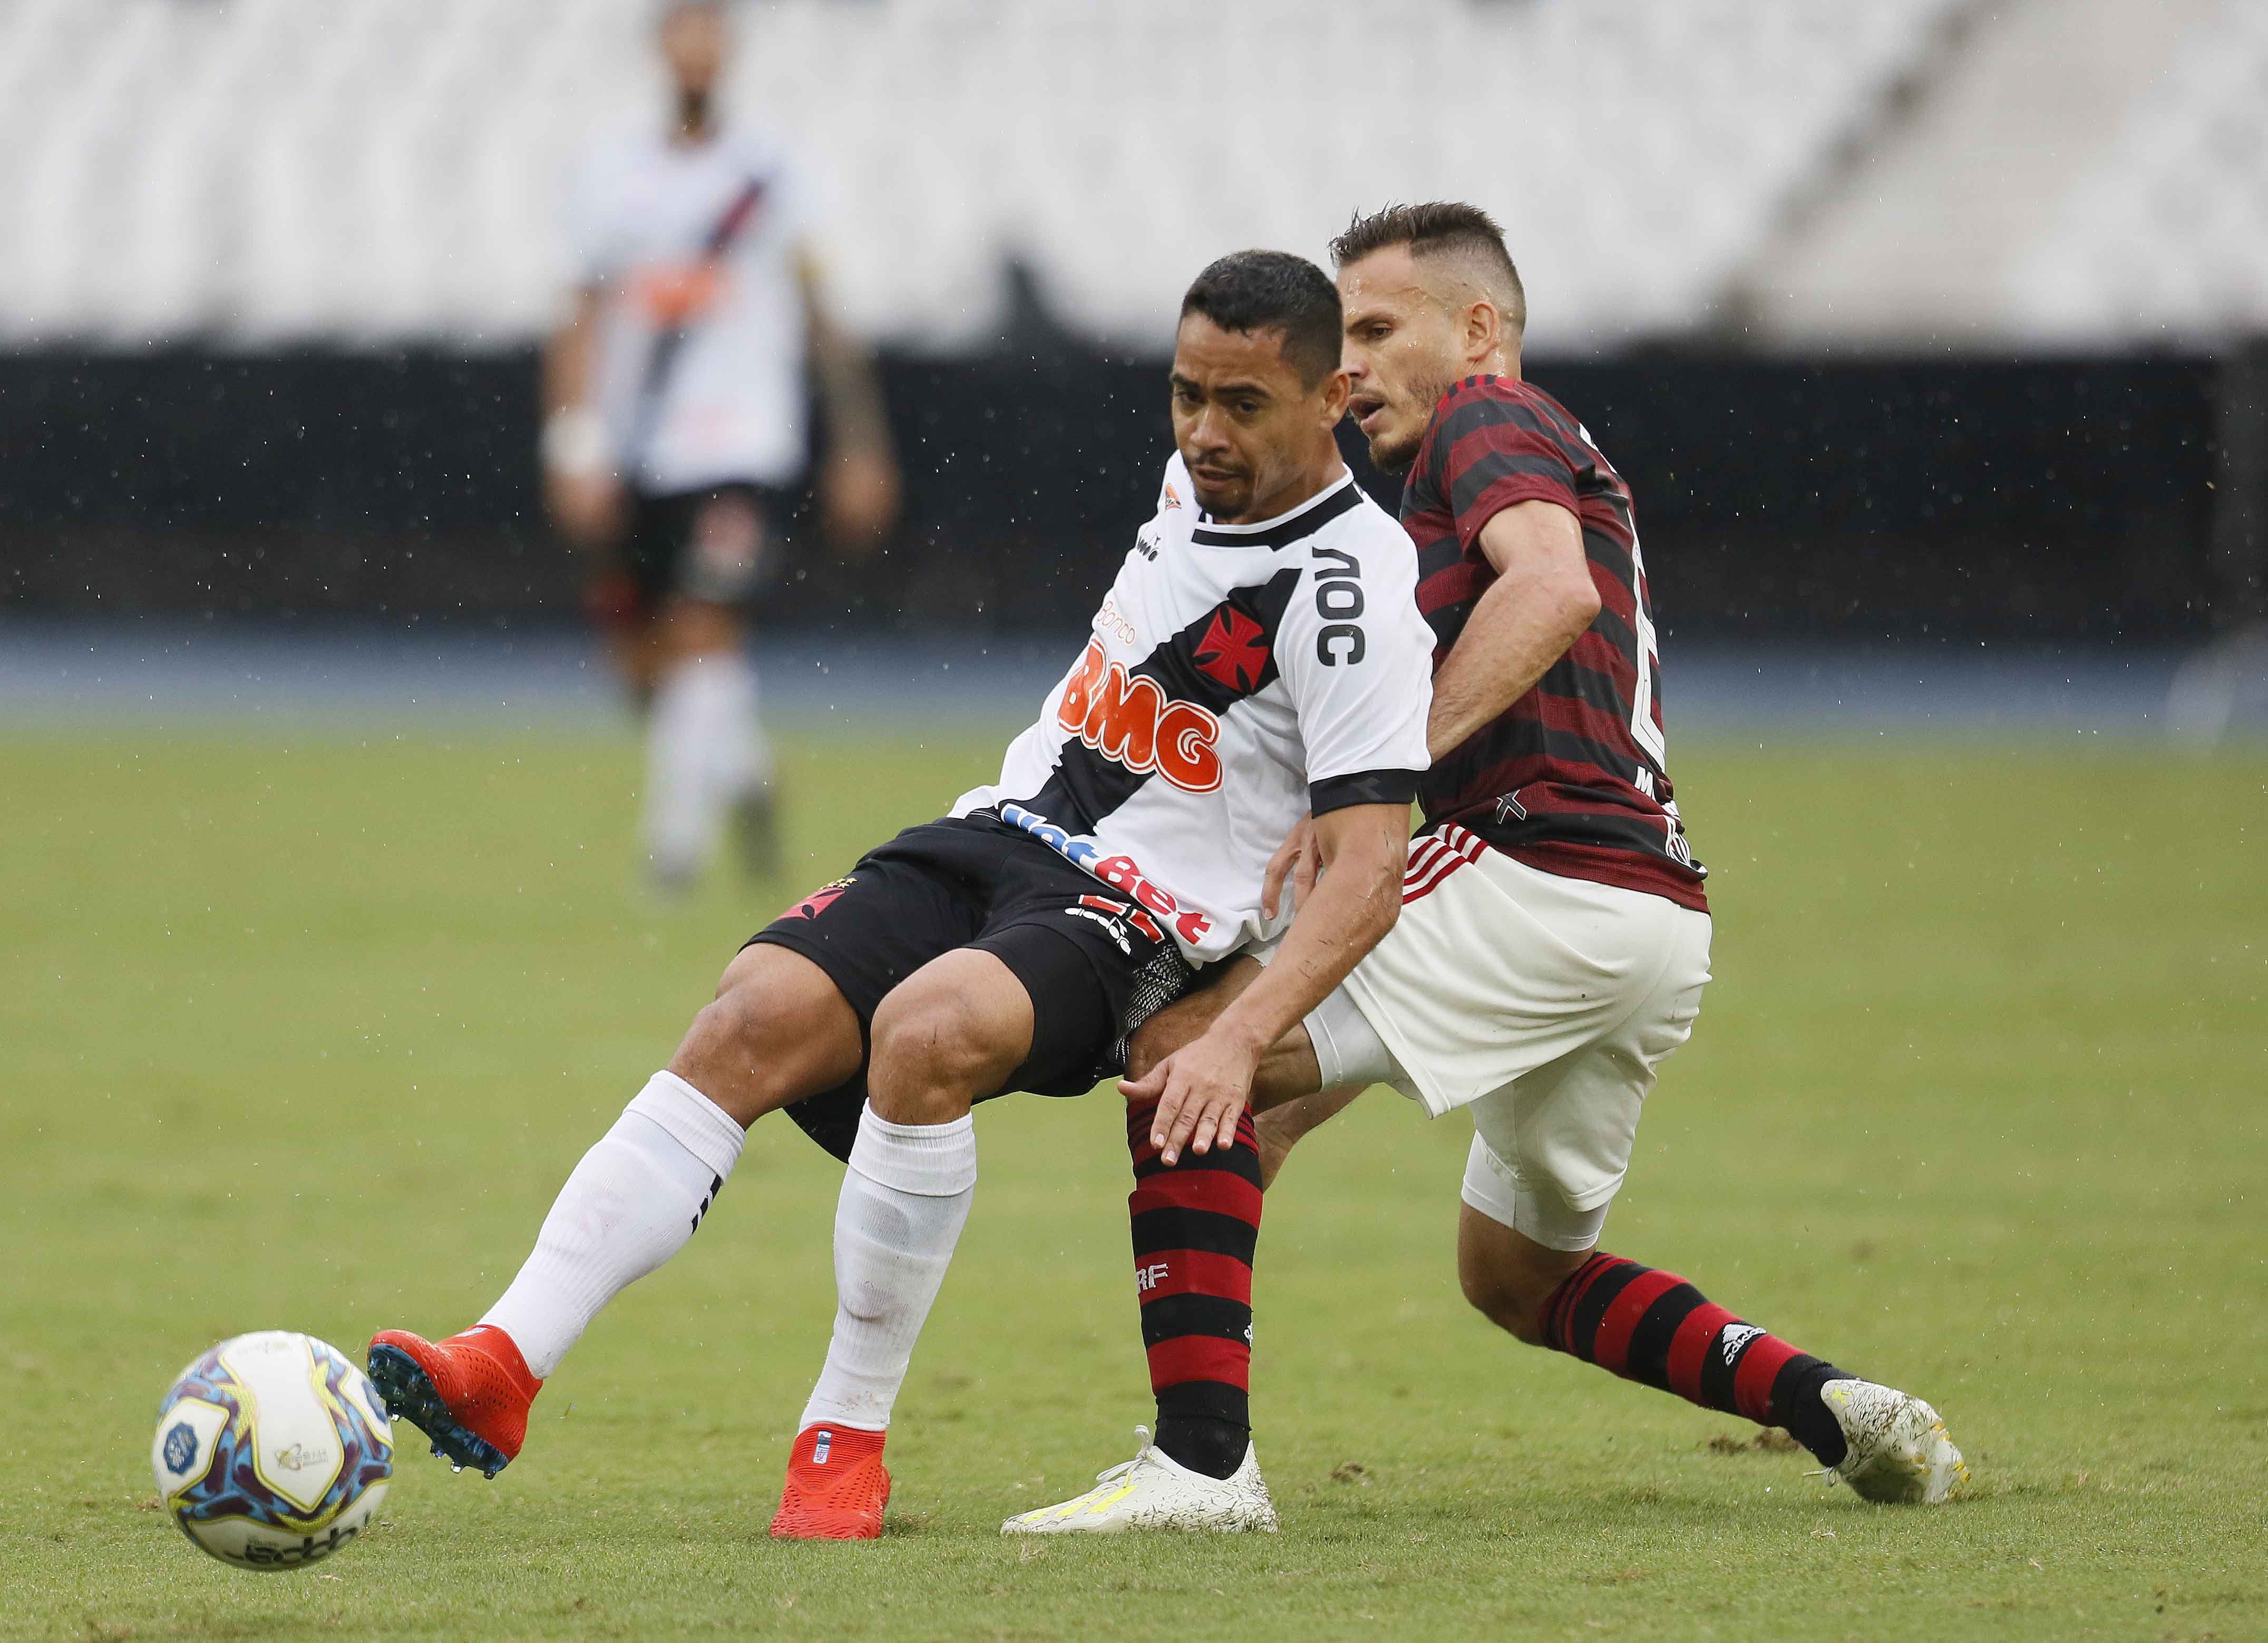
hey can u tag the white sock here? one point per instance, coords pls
(630, 1206)
(740, 756)
(704, 750)
(905, 1199)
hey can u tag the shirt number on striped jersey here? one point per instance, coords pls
(1644, 730)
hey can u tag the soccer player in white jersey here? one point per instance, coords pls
(1554, 938)
(1260, 654)
(676, 429)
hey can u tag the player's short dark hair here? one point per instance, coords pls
(1273, 290)
(1437, 228)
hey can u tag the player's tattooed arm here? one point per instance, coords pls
(1201, 1088)
(1543, 599)
(861, 491)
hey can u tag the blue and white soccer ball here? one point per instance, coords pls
(273, 1451)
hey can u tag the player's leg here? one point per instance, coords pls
(705, 749)
(784, 1028)
(1287, 1098)
(1041, 1000)
(1190, 1294)
(777, 1031)
(1287, 1069)
(707, 755)
(1548, 1153)
(1195, 1228)
(1288, 1101)
(954, 1031)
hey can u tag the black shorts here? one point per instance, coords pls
(718, 544)
(1096, 965)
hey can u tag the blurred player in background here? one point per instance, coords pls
(675, 426)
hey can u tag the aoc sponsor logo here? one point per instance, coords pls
(1130, 721)
(1117, 871)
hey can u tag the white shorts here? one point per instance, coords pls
(1545, 1004)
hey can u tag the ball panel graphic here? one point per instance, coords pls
(272, 1450)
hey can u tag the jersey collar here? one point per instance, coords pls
(1309, 516)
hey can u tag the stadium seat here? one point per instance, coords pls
(2166, 237)
(369, 172)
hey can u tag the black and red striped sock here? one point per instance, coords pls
(1195, 1228)
(1655, 1328)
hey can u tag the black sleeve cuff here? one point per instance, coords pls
(1364, 786)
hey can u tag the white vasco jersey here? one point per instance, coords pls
(1238, 676)
(701, 350)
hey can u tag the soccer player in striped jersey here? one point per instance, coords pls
(1553, 936)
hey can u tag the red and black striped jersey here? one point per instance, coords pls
(1570, 779)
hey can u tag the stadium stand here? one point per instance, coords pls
(2166, 236)
(370, 172)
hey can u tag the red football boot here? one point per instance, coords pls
(469, 1393)
(836, 1486)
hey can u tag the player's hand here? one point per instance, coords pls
(1201, 1089)
(861, 496)
(587, 507)
(1297, 858)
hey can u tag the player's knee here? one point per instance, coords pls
(1510, 1293)
(1143, 1051)
(747, 1050)
(728, 1036)
(1169, 1028)
(933, 1055)
(1503, 1303)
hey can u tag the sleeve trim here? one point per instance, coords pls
(1364, 787)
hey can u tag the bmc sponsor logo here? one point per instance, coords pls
(1130, 720)
(1117, 871)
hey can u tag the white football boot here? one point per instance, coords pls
(1154, 1491)
(1899, 1449)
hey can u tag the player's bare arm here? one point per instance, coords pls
(861, 489)
(580, 488)
(1201, 1088)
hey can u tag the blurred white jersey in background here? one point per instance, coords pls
(701, 353)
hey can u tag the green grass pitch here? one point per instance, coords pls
(304, 1033)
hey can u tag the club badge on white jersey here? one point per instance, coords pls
(1237, 677)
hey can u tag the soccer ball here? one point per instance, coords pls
(273, 1451)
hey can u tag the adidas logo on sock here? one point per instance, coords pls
(819, 1449)
(1735, 1337)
